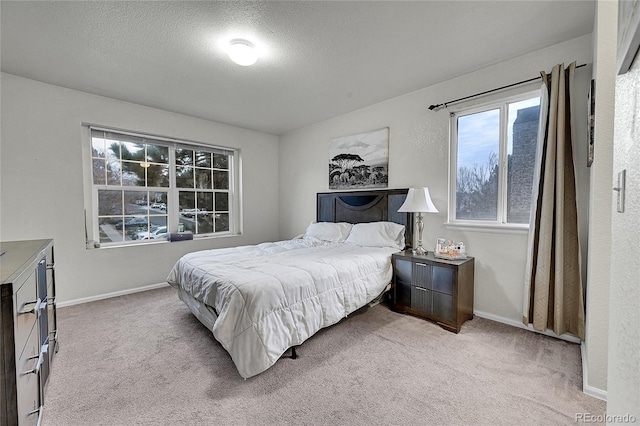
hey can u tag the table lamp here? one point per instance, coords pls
(418, 201)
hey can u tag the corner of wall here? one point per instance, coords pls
(598, 266)
(589, 390)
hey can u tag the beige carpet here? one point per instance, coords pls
(143, 359)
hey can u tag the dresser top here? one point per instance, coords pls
(17, 255)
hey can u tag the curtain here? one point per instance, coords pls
(553, 294)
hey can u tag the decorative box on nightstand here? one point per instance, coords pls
(436, 289)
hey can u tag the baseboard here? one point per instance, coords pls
(496, 318)
(589, 390)
(109, 295)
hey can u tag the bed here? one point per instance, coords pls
(261, 300)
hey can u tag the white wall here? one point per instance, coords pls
(623, 384)
(418, 156)
(42, 189)
(598, 272)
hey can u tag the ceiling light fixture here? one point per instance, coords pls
(242, 52)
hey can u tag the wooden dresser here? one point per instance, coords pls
(28, 328)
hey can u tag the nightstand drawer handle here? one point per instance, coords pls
(424, 265)
(420, 288)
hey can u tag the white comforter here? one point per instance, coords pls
(273, 296)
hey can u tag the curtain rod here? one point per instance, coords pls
(445, 104)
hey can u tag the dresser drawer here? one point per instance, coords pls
(28, 380)
(28, 317)
(51, 321)
(26, 308)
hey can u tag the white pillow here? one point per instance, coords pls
(377, 234)
(329, 231)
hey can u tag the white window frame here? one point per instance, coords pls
(173, 211)
(500, 224)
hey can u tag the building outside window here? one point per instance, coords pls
(493, 160)
(143, 187)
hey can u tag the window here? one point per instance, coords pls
(493, 150)
(144, 187)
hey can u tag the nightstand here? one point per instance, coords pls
(437, 289)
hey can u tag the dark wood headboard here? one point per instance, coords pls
(365, 206)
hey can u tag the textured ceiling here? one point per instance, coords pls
(317, 59)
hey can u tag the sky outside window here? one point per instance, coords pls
(479, 134)
(478, 137)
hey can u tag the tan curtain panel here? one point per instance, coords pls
(553, 296)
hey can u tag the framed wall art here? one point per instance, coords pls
(359, 161)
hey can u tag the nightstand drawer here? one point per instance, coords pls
(403, 271)
(402, 294)
(421, 299)
(421, 275)
(443, 306)
(442, 279)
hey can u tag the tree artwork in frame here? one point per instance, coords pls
(359, 161)
(591, 123)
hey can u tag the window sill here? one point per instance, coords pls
(489, 228)
(90, 244)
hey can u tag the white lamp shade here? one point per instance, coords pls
(242, 53)
(418, 200)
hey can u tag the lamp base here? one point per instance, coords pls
(420, 251)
